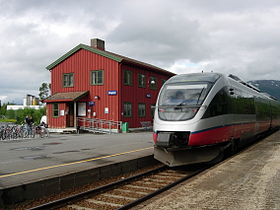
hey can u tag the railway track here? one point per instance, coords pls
(128, 192)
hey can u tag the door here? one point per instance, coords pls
(70, 115)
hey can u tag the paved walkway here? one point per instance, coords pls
(250, 180)
(30, 160)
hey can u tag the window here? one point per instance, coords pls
(223, 103)
(127, 109)
(219, 105)
(141, 81)
(68, 80)
(180, 101)
(55, 110)
(153, 83)
(153, 110)
(141, 110)
(128, 78)
(97, 77)
(163, 81)
(82, 109)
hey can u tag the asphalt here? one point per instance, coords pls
(31, 168)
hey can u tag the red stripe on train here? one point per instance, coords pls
(222, 134)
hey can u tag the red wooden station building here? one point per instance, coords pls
(90, 82)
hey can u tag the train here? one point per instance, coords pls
(200, 116)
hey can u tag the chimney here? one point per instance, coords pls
(97, 43)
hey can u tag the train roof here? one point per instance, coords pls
(213, 77)
(195, 77)
(244, 83)
(264, 94)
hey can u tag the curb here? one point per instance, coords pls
(58, 184)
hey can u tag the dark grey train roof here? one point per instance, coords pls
(195, 77)
(212, 77)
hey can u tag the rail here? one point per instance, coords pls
(99, 125)
(126, 193)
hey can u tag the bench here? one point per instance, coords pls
(146, 124)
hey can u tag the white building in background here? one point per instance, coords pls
(29, 101)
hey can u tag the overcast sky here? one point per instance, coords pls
(240, 37)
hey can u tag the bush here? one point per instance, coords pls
(19, 115)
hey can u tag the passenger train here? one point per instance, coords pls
(200, 116)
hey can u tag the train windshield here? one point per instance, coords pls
(181, 101)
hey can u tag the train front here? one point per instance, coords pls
(180, 106)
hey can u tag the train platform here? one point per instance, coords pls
(32, 168)
(249, 180)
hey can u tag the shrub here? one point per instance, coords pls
(19, 115)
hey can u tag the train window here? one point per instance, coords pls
(189, 94)
(243, 103)
(219, 105)
(181, 101)
(262, 109)
(223, 103)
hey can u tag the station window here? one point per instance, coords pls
(55, 110)
(97, 77)
(127, 112)
(153, 110)
(141, 81)
(127, 78)
(153, 83)
(141, 110)
(68, 80)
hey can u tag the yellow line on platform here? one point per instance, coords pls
(72, 163)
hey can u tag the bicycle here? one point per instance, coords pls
(42, 130)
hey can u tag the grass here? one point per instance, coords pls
(8, 120)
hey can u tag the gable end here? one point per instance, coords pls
(85, 47)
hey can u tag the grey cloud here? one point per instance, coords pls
(240, 37)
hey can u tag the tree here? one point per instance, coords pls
(19, 115)
(3, 110)
(44, 91)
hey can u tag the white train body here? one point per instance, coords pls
(198, 115)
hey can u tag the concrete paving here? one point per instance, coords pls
(65, 161)
(28, 154)
(250, 180)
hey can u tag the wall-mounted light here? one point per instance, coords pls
(96, 97)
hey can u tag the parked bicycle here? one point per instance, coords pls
(41, 130)
(12, 132)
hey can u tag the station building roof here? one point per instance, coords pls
(113, 56)
(66, 97)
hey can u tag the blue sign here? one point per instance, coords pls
(148, 95)
(112, 92)
(91, 103)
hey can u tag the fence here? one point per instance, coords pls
(99, 125)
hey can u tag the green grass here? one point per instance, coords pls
(8, 120)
